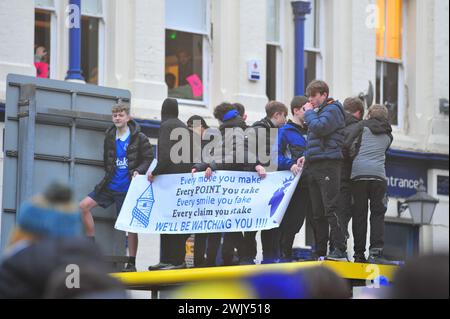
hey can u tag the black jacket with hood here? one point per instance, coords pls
(139, 153)
(169, 122)
(239, 143)
(351, 130)
(267, 125)
(233, 154)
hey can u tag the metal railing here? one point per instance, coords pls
(162, 279)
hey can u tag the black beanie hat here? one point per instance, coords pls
(169, 109)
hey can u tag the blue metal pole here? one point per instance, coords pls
(74, 72)
(300, 9)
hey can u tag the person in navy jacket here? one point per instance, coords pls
(291, 147)
(324, 117)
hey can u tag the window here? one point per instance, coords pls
(184, 64)
(387, 88)
(186, 49)
(271, 72)
(89, 49)
(310, 67)
(91, 40)
(401, 241)
(273, 48)
(438, 185)
(44, 38)
(389, 56)
(312, 43)
(442, 185)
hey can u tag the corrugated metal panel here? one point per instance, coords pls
(54, 130)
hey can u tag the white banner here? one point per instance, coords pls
(227, 202)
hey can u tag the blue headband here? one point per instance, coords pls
(231, 114)
(49, 222)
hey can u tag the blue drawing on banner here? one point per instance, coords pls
(278, 196)
(142, 210)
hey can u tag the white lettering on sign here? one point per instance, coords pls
(403, 182)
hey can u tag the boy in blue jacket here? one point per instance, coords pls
(291, 147)
(323, 159)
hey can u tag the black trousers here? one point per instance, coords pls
(231, 241)
(248, 248)
(365, 191)
(324, 187)
(270, 242)
(173, 248)
(206, 244)
(294, 217)
(344, 211)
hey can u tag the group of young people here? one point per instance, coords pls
(339, 151)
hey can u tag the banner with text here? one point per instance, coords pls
(227, 202)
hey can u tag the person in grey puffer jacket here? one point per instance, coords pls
(369, 183)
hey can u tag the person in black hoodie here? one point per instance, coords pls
(276, 113)
(172, 245)
(127, 152)
(369, 183)
(354, 112)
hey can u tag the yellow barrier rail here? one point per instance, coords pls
(158, 278)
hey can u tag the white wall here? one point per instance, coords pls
(17, 39)
(439, 123)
